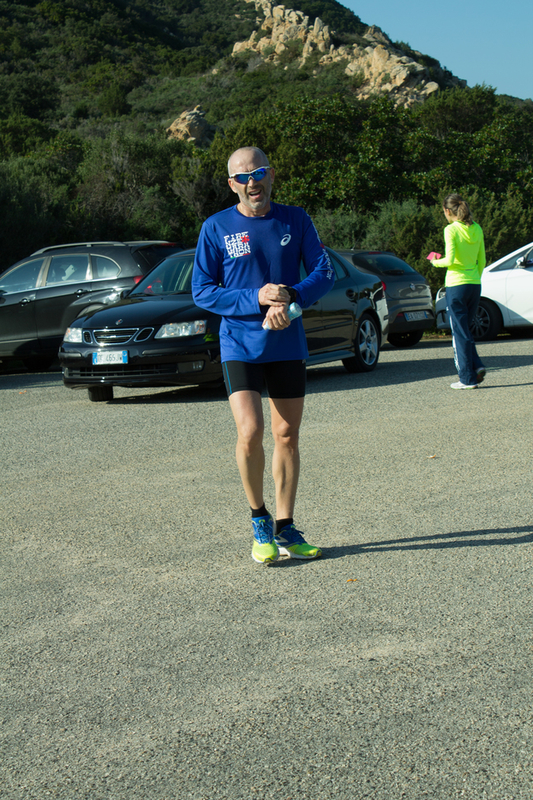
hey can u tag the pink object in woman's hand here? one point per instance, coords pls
(433, 255)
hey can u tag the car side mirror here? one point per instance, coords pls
(525, 261)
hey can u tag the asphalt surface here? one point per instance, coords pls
(145, 656)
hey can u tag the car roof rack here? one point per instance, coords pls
(109, 243)
(75, 244)
(152, 241)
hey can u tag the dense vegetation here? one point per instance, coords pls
(88, 89)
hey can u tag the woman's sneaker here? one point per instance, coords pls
(291, 543)
(480, 374)
(265, 549)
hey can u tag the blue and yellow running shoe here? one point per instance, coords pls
(265, 549)
(291, 543)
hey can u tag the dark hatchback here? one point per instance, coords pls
(408, 294)
(157, 336)
(42, 294)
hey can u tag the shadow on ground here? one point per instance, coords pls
(488, 537)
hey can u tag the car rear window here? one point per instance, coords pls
(386, 263)
(68, 269)
(104, 267)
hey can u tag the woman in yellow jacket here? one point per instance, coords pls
(465, 260)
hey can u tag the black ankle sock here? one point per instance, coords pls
(282, 523)
(259, 512)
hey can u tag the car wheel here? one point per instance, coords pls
(408, 339)
(100, 394)
(487, 322)
(366, 346)
(38, 363)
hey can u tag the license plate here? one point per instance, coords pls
(412, 316)
(111, 357)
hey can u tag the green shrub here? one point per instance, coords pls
(20, 135)
(341, 229)
(112, 102)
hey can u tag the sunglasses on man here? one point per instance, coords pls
(243, 177)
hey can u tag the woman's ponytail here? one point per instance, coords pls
(459, 208)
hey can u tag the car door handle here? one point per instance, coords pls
(26, 300)
(81, 291)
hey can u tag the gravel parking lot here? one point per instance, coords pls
(145, 656)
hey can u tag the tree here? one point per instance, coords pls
(457, 110)
(125, 190)
(29, 94)
(20, 135)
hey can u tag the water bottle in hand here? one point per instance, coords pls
(293, 311)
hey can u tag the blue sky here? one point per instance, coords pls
(482, 42)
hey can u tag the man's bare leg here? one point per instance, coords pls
(248, 414)
(286, 415)
(286, 418)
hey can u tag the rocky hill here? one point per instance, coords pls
(374, 59)
(81, 66)
(285, 36)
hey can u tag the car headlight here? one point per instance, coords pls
(73, 335)
(173, 329)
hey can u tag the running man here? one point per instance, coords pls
(247, 269)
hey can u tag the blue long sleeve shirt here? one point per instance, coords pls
(236, 255)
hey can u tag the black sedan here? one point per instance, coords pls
(156, 336)
(407, 292)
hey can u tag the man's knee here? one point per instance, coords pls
(286, 435)
(250, 433)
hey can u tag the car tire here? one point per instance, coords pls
(38, 363)
(407, 339)
(100, 394)
(487, 323)
(366, 346)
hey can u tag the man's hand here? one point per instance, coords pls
(273, 295)
(277, 318)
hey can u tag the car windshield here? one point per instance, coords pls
(151, 255)
(171, 276)
(385, 263)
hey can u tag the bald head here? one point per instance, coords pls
(246, 154)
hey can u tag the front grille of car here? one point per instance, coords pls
(118, 371)
(118, 336)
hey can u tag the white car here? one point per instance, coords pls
(506, 296)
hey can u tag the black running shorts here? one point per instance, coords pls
(282, 379)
